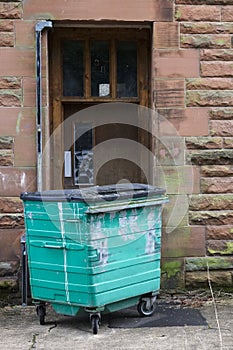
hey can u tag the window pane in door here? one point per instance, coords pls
(100, 85)
(73, 68)
(83, 154)
(127, 69)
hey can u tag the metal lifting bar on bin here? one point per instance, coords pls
(95, 249)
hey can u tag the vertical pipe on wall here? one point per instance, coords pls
(39, 28)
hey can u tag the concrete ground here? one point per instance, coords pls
(20, 329)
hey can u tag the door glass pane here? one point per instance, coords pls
(73, 68)
(127, 69)
(100, 85)
(83, 154)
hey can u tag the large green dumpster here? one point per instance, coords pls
(95, 249)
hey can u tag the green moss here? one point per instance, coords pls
(171, 268)
(227, 251)
(178, 14)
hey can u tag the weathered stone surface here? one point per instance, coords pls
(9, 268)
(185, 63)
(211, 202)
(11, 221)
(13, 181)
(171, 150)
(214, 217)
(219, 232)
(10, 83)
(10, 98)
(6, 142)
(207, 41)
(172, 273)
(169, 93)
(216, 69)
(11, 205)
(183, 242)
(203, 142)
(217, 185)
(206, 28)
(209, 84)
(221, 113)
(209, 98)
(197, 13)
(217, 170)
(7, 39)
(200, 279)
(166, 35)
(6, 26)
(204, 2)
(175, 213)
(221, 127)
(220, 247)
(9, 283)
(177, 122)
(211, 263)
(10, 249)
(6, 157)
(228, 142)
(216, 55)
(220, 157)
(227, 13)
(10, 10)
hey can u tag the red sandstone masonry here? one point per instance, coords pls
(10, 10)
(169, 93)
(209, 84)
(206, 28)
(221, 127)
(216, 55)
(227, 13)
(166, 35)
(198, 13)
(216, 69)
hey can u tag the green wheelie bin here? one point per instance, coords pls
(95, 249)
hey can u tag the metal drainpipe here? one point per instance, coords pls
(39, 27)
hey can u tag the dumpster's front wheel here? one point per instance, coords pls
(41, 312)
(145, 308)
(95, 323)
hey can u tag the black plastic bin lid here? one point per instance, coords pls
(95, 193)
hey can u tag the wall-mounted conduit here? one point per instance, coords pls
(39, 28)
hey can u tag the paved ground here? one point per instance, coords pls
(20, 329)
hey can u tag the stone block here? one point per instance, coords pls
(206, 28)
(216, 69)
(171, 150)
(217, 185)
(10, 249)
(184, 241)
(178, 179)
(6, 25)
(221, 127)
(166, 35)
(10, 10)
(176, 63)
(204, 142)
(11, 205)
(217, 170)
(17, 121)
(197, 13)
(180, 122)
(208, 157)
(10, 98)
(200, 279)
(172, 273)
(205, 2)
(169, 93)
(25, 34)
(9, 268)
(209, 84)
(213, 217)
(208, 41)
(216, 55)
(124, 10)
(209, 98)
(228, 142)
(13, 181)
(11, 221)
(9, 283)
(7, 39)
(25, 151)
(175, 213)
(220, 247)
(211, 263)
(219, 232)
(227, 13)
(17, 62)
(10, 83)
(211, 202)
(6, 142)
(6, 157)
(221, 113)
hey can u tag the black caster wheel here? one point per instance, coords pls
(144, 310)
(95, 323)
(41, 312)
